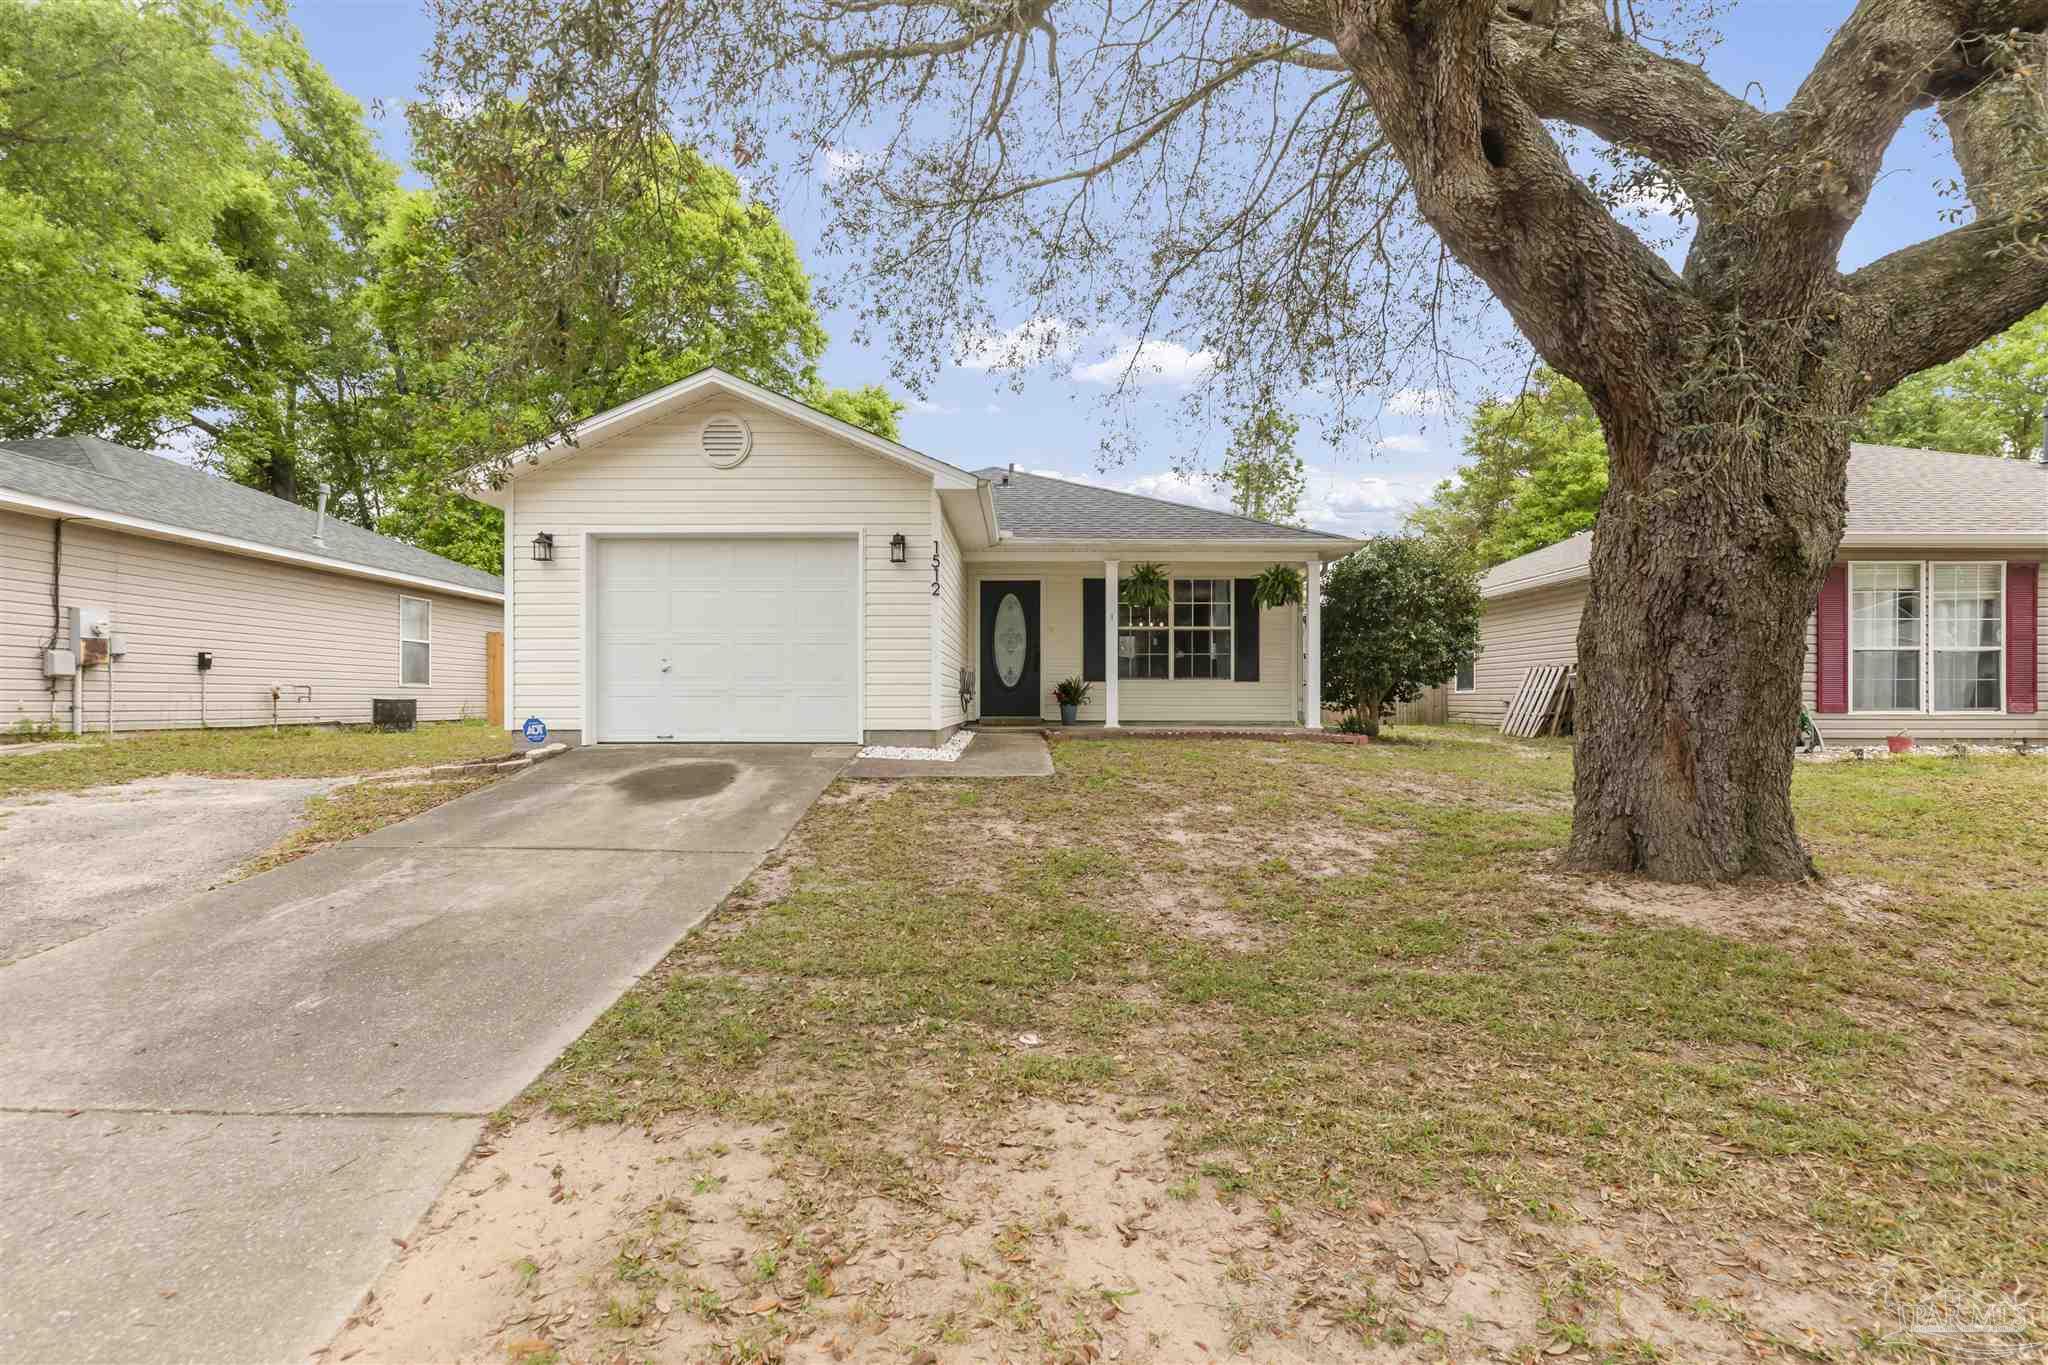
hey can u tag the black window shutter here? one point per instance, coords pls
(1244, 620)
(1091, 631)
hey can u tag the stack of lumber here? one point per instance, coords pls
(1543, 706)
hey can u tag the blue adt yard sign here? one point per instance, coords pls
(535, 730)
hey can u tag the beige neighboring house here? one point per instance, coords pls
(1930, 621)
(715, 561)
(221, 605)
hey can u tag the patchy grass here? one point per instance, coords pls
(1348, 984)
(357, 809)
(292, 751)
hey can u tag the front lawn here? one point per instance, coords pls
(292, 751)
(1310, 1052)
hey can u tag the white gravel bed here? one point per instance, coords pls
(948, 752)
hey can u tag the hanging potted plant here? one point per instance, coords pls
(1146, 588)
(1072, 695)
(1279, 586)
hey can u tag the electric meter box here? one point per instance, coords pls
(59, 663)
(92, 631)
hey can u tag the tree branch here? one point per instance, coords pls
(1578, 70)
(1926, 304)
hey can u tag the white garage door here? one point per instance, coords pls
(747, 638)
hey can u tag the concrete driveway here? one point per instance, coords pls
(216, 1118)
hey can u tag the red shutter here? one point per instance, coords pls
(1831, 643)
(2022, 636)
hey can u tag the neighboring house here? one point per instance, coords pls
(297, 617)
(1930, 621)
(718, 562)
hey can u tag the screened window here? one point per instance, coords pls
(1142, 641)
(1941, 623)
(1201, 628)
(1190, 639)
(1967, 626)
(1464, 680)
(1884, 636)
(415, 641)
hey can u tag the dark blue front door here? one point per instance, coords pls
(1009, 649)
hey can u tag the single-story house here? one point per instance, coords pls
(199, 602)
(1930, 621)
(715, 561)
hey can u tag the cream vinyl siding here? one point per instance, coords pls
(1515, 635)
(263, 622)
(1931, 727)
(1272, 700)
(949, 623)
(655, 477)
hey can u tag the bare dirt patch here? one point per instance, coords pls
(1072, 1232)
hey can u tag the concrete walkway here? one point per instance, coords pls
(215, 1119)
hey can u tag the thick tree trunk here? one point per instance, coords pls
(1707, 561)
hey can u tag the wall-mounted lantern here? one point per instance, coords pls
(899, 549)
(544, 547)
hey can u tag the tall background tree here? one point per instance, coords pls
(1305, 188)
(1534, 471)
(1987, 401)
(204, 249)
(1263, 471)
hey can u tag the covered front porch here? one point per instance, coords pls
(1213, 658)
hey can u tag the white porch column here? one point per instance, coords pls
(1312, 645)
(1109, 599)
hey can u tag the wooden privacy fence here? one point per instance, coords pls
(1431, 708)
(494, 677)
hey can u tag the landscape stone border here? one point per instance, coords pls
(516, 761)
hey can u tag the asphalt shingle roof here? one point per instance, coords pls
(111, 478)
(1893, 491)
(1034, 507)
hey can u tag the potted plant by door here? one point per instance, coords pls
(1899, 743)
(1072, 695)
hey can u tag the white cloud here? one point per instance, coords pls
(993, 409)
(840, 162)
(929, 408)
(1359, 504)
(1147, 362)
(1404, 444)
(1421, 402)
(1031, 342)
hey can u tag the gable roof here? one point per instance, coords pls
(1034, 507)
(1897, 496)
(712, 380)
(85, 478)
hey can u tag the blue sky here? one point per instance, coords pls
(973, 417)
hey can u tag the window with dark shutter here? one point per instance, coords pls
(1093, 625)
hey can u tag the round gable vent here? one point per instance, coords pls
(726, 439)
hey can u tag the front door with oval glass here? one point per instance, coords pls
(1009, 649)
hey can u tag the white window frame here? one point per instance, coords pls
(1927, 646)
(404, 639)
(1466, 679)
(1173, 673)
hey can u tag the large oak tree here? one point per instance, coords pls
(1317, 191)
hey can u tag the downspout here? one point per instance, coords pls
(56, 604)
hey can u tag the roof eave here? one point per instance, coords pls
(158, 530)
